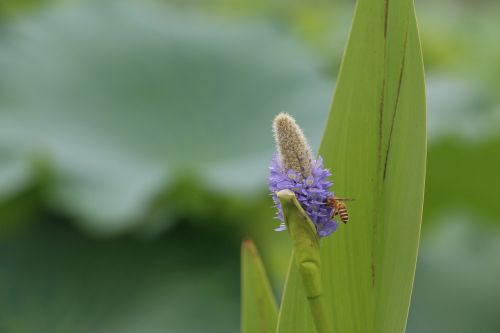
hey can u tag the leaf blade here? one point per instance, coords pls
(375, 141)
(259, 312)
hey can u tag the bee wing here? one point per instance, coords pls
(344, 199)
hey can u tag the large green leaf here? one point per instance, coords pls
(259, 312)
(121, 98)
(376, 146)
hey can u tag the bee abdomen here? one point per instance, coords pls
(344, 216)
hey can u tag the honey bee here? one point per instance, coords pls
(339, 207)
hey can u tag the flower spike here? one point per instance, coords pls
(293, 149)
(293, 168)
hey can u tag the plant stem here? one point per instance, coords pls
(320, 316)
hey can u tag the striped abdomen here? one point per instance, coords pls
(342, 212)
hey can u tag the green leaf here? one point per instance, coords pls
(123, 98)
(375, 144)
(259, 312)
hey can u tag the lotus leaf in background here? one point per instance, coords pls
(122, 99)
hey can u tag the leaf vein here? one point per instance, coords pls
(398, 93)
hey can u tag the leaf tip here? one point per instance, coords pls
(247, 245)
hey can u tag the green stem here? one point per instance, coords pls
(320, 315)
(307, 255)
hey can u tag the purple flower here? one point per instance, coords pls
(295, 169)
(311, 192)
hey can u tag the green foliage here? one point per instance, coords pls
(456, 285)
(10, 8)
(121, 99)
(259, 312)
(54, 279)
(465, 174)
(57, 281)
(375, 144)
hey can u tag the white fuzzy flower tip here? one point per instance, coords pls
(293, 149)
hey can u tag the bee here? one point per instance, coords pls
(339, 207)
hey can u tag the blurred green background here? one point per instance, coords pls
(135, 140)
